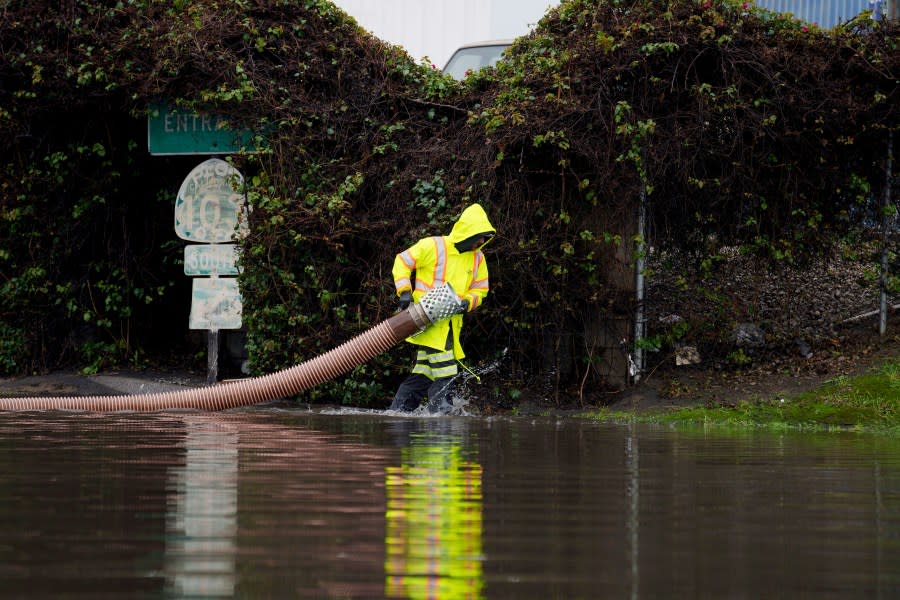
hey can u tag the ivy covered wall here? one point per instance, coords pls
(744, 128)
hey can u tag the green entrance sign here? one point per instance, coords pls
(173, 130)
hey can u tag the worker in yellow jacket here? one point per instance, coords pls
(427, 264)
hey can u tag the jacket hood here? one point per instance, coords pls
(472, 221)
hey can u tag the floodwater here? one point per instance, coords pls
(291, 503)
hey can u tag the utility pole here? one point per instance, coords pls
(887, 221)
(640, 319)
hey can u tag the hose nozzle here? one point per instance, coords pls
(438, 304)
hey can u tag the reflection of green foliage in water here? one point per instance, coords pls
(434, 523)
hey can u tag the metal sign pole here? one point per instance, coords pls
(887, 219)
(640, 324)
(212, 363)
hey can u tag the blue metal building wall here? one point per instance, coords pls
(824, 13)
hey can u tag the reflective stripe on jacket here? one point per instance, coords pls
(435, 365)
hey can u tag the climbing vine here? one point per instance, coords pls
(745, 128)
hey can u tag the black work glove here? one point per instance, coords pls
(464, 305)
(405, 300)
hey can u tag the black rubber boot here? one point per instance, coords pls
(410, 393)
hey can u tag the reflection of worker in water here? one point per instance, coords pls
(433, 523)
(430, 263)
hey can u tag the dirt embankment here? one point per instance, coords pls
(812, 324)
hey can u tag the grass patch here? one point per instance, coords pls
(869, 402)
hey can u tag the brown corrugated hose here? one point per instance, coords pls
(282, 384)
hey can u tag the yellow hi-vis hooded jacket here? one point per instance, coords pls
(435, 261)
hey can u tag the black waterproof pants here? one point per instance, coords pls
(436, 387)
(416, 387)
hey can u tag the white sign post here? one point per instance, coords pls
(210, 209)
